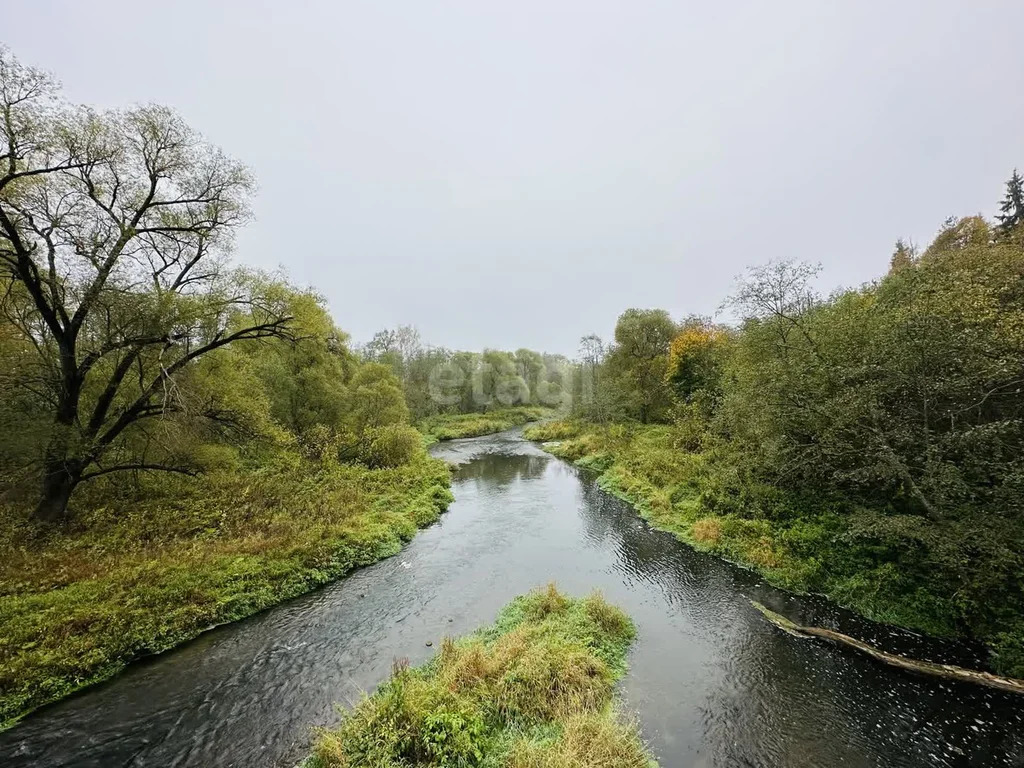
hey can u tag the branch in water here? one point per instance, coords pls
(947, 671)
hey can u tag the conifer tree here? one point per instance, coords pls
(1011, 210)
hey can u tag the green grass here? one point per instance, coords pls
(142, 569)
(893, 569)
(556, 430)
(451, 426)
(535, 690)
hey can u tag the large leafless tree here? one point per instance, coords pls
(114, 231)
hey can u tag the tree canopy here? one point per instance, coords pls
(119, 302)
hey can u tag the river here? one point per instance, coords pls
(712, 683)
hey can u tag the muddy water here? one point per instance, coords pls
(710, 681)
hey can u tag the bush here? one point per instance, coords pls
(390, 446)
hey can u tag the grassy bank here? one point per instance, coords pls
(532, 691)
(451, 426)
(146, 567)
(891, 569)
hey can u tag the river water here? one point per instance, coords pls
(712, 683)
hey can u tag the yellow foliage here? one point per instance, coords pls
(707, 530)
(693, 358)
(762, 553)
(692, 339)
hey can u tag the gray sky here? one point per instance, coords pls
(518, 173)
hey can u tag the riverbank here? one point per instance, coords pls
(452, 426)
(146, 567)
(534, 690)
(893, 570)
(709, 677)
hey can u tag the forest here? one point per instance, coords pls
(185, 441)
(868, 444)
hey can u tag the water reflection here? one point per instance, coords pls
(780, 701)
(712, 683)
(499, 471)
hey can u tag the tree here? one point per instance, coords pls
(695, 359)
(903, 255)
(592, 350)
(497, 382)
(904, 394)
(395, 347)
(593, 397)
(1011, 210)
(529, 366)
(306, 378)
(407, 342)
(114, 231)
(638, 360)
(780, 294)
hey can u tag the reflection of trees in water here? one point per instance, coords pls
(787, 702)
(691, 580)
(502, 470)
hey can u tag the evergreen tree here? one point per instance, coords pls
(1011, 210)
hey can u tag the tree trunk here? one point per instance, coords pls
(62, 471)
(59, 483)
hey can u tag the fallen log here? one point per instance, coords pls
(947, 671)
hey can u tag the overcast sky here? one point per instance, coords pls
(518, 173)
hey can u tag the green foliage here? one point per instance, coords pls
(534, 689)
(147, 567)
(948, 577)
(695, 360)
(438, 381)
(553, 430)
(305, 380)
(120, 301)
(390, 446)
(144, 350)
(451, 426)
(1011, 210)
(638, 361)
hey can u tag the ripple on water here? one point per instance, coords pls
(712, 683)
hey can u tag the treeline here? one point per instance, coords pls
(878, 432)
(437, 380)
(907, 393)
(127, 341)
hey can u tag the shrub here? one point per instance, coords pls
(390, 446)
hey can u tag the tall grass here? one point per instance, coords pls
(532, 691)
(451, 426)
(145, 568)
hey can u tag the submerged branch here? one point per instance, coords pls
(947, 671)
